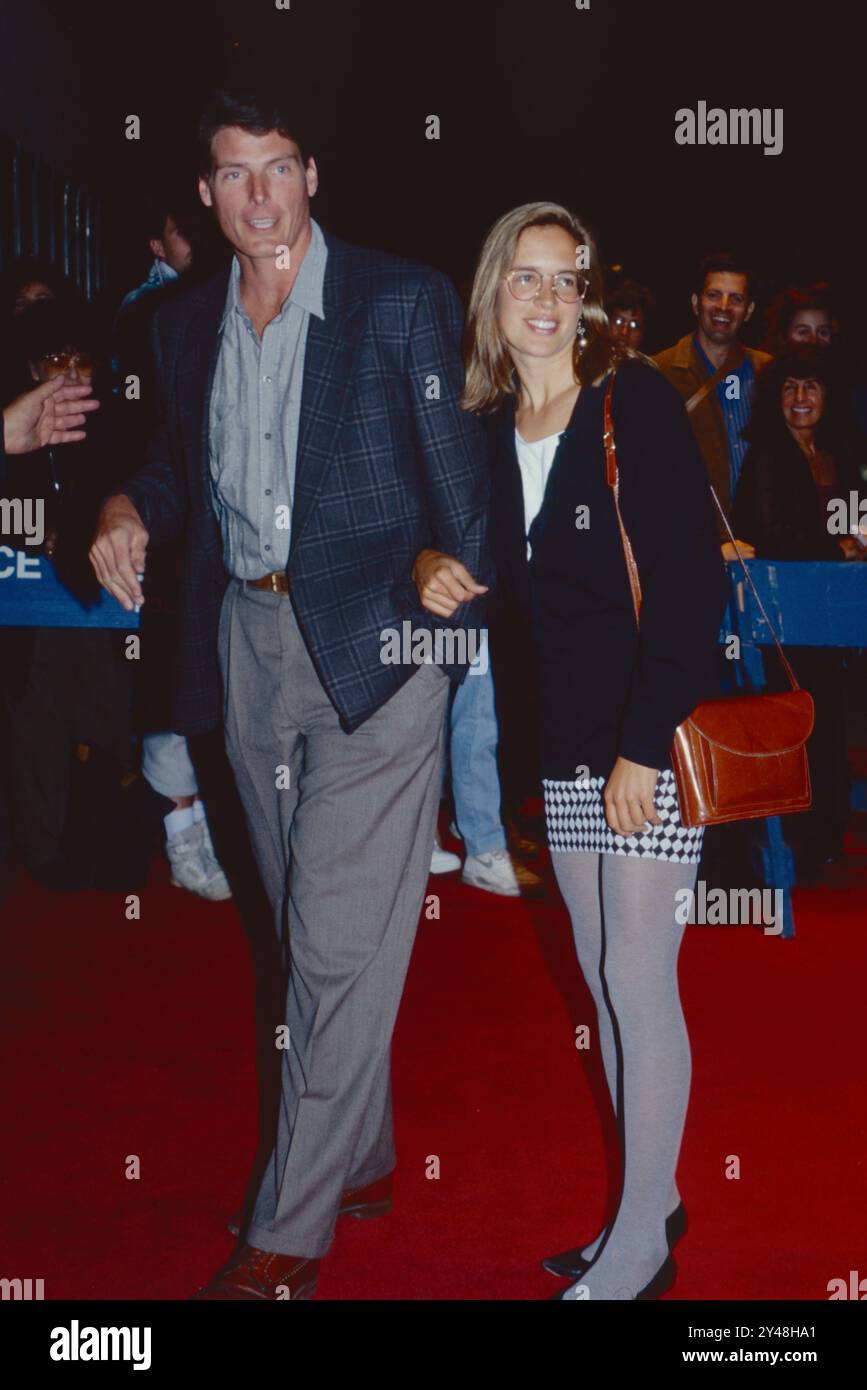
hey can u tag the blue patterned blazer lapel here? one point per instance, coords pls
(328, 367)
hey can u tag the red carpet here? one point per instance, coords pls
(136, 1038)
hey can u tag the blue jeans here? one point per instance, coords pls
(472, 735)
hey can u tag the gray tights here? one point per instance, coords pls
(627, 940)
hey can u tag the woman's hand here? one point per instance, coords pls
(851, 548)
(628, 797)
(50, 414)
(443, 583)
(748, 552)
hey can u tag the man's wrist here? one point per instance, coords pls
(422, 556)
(119, 501)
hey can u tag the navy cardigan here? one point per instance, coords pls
(607, 689)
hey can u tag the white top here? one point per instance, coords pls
(534, 461)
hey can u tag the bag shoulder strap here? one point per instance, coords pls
(732, 362)
(613, 477)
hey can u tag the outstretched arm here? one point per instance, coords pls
(53, 413)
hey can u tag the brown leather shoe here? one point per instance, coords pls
(261, 1274)
(361, 1202)
(364, 1202)
(530, 884)
(521, 844)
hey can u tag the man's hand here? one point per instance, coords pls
(49, 414)
(852, 549)
(118, 551)
(443, 583)
(628, 797)
(747, 551)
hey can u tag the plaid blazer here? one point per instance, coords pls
(387, 465)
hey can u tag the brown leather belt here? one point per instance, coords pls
(276, 583)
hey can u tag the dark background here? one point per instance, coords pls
(536, 100)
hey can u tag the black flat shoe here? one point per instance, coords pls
(659, 1284)
(571, 1264)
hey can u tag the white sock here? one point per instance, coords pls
(177, 821)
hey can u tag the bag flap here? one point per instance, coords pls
(756, 724)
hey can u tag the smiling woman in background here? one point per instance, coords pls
(801, 317)
(803, 455)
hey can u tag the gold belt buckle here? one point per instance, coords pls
(274, 586)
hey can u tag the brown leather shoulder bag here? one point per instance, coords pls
(742, 756)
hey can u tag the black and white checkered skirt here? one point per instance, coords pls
(575, 818)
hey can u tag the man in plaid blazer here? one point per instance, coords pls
(310, 445)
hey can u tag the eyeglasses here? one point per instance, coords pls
(63, 360)
(625, 323)
(568, 285)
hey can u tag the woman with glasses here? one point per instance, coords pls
(627, 308)
(539, 361)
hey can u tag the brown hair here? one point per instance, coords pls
(490, 374)
(257, 112)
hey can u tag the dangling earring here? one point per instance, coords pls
(581, 334)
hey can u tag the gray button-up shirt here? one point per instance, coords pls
(255, 414)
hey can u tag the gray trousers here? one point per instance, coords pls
(344, 853)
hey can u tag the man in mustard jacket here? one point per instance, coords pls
(714, 374)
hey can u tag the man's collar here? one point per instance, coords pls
(307, 292)
(737, 356)
(701, 354)
(161, 273)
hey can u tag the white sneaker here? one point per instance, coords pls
(498, 872)
(194, 867)
(220, 884)
(213, 866)
(442, 861)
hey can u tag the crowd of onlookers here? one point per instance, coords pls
(782, 433)
(71, 694)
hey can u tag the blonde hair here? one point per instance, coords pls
(490, 373)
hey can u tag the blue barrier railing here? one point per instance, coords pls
(819, 604)
(31, 595)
